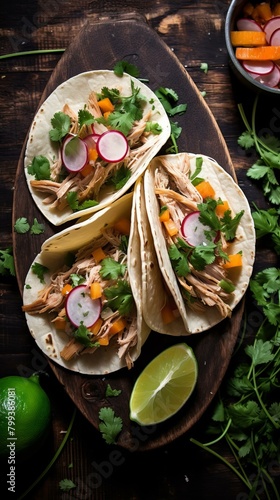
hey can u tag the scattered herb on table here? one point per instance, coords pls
(7, 264)
(110, 426)
(267, 146)
(247, 414)
(66, 484)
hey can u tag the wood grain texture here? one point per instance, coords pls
(194, 33)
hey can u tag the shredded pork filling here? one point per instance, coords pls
(88, 187)
(51, 300)
(174, 189)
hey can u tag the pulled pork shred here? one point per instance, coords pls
(174, 188)
(51, 300)
(88, 187)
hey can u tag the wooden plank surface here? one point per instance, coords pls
(194, 33)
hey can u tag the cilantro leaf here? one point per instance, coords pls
(40, 168)
(110, 426)
(85, 118)
(36, 227)
(66, 484)
(202, 255)
(120, 297)
(112, 392)
(21, 225)
(7, 264)
(84, 336)
(61, 125)
(122, 67)
(120, 177)
(245, 415)
(111, 269)
(73, 202)
(40, 271)
(260, 352)
(230, 225)
(179, 261)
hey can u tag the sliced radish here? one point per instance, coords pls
(80, 308)
(272, 79)
(112, 146)
(91, 140)
(275, 37)
(194, 231)
(270, 26)
(74, 153)
(245, 24)
(258, 67)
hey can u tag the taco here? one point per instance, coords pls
(89, 141)
(203, 234)
(159, 307)
(87, 316)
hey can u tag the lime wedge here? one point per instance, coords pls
(164, 385)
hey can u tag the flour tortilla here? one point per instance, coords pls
(225, 188)
(75, 93)
(53, 253)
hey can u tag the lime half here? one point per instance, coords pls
(164, 385)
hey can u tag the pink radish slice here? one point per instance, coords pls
(194, 231)
(270, 26)
(112, 146)
(80, 308)
(271, 79)
(91, 140)
(258, 67)
(275, 37)
(245, 24)
(74, 154)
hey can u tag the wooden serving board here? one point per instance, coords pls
(100, 46)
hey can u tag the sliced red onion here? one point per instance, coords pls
(194, 231)
(275, 38)
(112, 146)
(258, 67)
(270, 26)
(272, 79)
(245, 24)
(81, 308)
(74, 153)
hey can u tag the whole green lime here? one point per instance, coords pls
(25, 414)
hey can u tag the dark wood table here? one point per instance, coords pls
(195, 32)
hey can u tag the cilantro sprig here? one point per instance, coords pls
(267, 146)
(110, 425)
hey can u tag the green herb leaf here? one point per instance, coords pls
(7, 264)
(66, 484)
(40, 168)
(111, 269)
(122, 67)
(61, 125)
(21, 225)
(40, 271)
(111, 425)
(120, 297)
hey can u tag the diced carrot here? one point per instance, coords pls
(103, 340)
(235, 260)
(205, 189)
(262, 12)
(60, 323)
(164, 215)
(87, 170)
(267, 53)
(98, 254)
(170, 227)
(107, 114)
(247, 38)
(66, 289)
(96, 327)
(123, 226)
(92, 154)
(95, 290)
(276, 9)
(222, 208)
(106, 105)
(248, 9)
(167, 314)
(117, 326)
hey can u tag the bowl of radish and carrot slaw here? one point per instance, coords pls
(252, 33)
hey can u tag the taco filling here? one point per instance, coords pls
(99, 146)
(91, 300)
(202, 233)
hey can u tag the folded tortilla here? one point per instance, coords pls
(50, 196)
(123, 349)
(209, 304)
